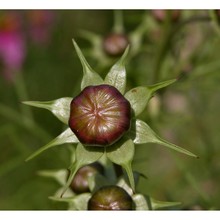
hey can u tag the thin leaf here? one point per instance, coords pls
(59, 107)
(144, 134)
(84, 155)
(117, 74)
(122, 153)
(140, 96)
(90, 77)
(66, 137)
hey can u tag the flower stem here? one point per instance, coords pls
(162, 50)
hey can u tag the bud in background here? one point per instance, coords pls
(161, 15)
(115, 44)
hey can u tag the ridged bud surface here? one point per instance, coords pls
(110, 198)
(99, 115)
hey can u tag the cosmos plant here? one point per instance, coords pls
(102, 125)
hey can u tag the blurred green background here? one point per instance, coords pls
(186, 113)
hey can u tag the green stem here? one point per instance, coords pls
(118, 22)
(162, 50)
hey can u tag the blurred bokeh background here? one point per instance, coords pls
(38, 62)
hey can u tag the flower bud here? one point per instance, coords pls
(115, 44)
(160, 15)
(80, 182)
(110, 198)
(99, 115)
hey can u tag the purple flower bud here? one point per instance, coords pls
(110, 198)
(80, 182)
(99, 115)
(115, 44)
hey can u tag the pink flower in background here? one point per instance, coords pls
(14, 33)
(12, 44)
(40, 24)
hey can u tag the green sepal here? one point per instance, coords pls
(144, 134)
(140, 96)
(117, 75)
(59, 175)
(83, 155)
(123, 184)
(90, 77)
(140, 202)
(59, 107)
(143, 202)
(122, 153)
(66, 137)
(96, 181)
(78, 202)
(155, 204)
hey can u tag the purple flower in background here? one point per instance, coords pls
(12, 44)
(40, 25)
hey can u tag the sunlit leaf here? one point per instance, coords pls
(117, 74)
(144, 134)
(140, 96)
(83, 156)
(90, 77)
(59, 107)
(66, 137)
(122, 153)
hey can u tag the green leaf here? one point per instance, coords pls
(84, 155)
(140, 96)
(59, 175)
(66, 137)
(162, 204)
(144, 134)
(140, 202)
(90, 77)
(59, 107)
(117, 74)
(122, 153)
